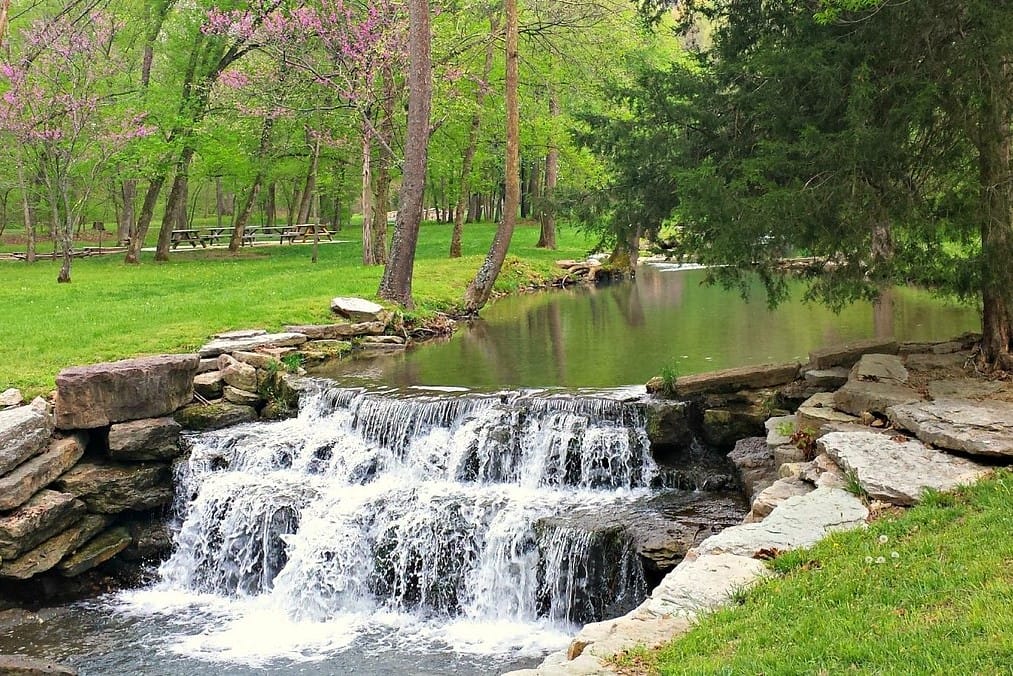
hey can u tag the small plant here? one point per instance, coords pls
(669, 374)
(805, 441)
(854, 486)
(292, 362)
(785, 428)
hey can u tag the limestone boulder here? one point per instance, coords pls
(27, 479)
(11, 397)
(43, 516)
(858, 397)
(799, 521)
(267, 340)
(20, 665)
(207, 364)
(817, 413)
(239, 334)
(896, 470)
(241, 397)
(787, 453)
(132, 389)
(96, 551)
(774, 494)
(779, 430)
(140, 440)
(846, 355)
(342, 331)
(963, 388)
(237, 374)
(701, 584)
(110, 488)
(722, 427)
(975, 427)
(48, 554)
(880, 368)
(24, 432)
(359, 310)
(209, 384)
(214, 416)
(733, 380)
(827, 379)
(755, 462)
(668, 425)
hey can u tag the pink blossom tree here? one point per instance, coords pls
(61, 109)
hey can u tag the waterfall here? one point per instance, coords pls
(470, 508)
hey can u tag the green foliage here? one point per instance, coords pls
(786, 428)
(854, 486)
(292, 362)
(669, 376)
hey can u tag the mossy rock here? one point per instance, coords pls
(213, 416)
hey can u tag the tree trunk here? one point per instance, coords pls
(219, 201)
(127, 222)
(547, 204)
(236, 240)
(396, 284)
(368, 253)
(181, 207)
(306, 199)
(271, 205)
(144, 220)
(381, 183)
(480, 289)
(26, 206)
(172, 204)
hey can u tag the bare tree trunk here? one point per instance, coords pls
(396, 284)
(26, 206)
(181, 207)
(271, 205)
(219, 200)
(368, 253)
(381, 184)
(468, 158)
(5, 8)
(547, 205)
(144, 220)
(127, 223)
(172, 204)
(306, 200)
(236, 240)
(480, 289)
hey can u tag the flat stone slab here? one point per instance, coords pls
(97, 551)
(19, 665)
(800, 521)
(225, 345)
(11, 397)
(829, 379)
(209, 384)
(972, 427)
(817, 413)
(29, 478)
(24, 432)
(733, 380)
(214, 416)
(880, 368)
(109, 488)
(776, 428)
(132, 389)
(240, 333)
(241, 397)
(237, 374)
(42, 517)
(895, 471)
(846, 355)
(963, 388)
(48, 554)
(858, 396)
(774, 494)
(702, 583)
(339, 331)
(140, 440)
(358, 309)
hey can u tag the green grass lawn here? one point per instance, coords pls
(111, 311)
(927, 591)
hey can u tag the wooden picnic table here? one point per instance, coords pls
(214, 235)
(188, 235)
(304, 231)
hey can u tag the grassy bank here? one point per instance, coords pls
(112, 311)
(927, 591)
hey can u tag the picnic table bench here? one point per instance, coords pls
(189, 236)
(303, 232)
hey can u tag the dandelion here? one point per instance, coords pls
(868, 559)
(883, 539)
(894, 555)
(880, 559)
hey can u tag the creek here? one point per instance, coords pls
(459, 509)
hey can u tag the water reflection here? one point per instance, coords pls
(624, 333)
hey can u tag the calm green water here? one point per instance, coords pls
(624, 333)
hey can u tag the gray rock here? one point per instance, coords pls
(827, 379)
(367, 344)
(46, 514)
(96, 551)
(963, 388)
(30, 477)
(801, 521)
(786, 454)
(359, 310)
(755, 462)
(701, 584)
(668, 424)
(857, 397)
(382, 340)
(897, 471)
(139, 440)
(925, 362)
(214, 416)
(11, 397)
(237, 374)
(48, 554)
(817, 413)
(241, 397)
(722, 427)
(225, 345)
(24, 432)
(151, 541)
(973, 427)
(846, 355)
(339, 331)
(257, 360)
(733, 380)
(240, 334)
(777, 427)
(209, 384)
(774, 494)
(19, 665)
(109, 488)
(207, 364)
(880, 368)
(132, 389)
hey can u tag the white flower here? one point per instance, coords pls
(883, 539)
(868, 559)
(880, 559)
(894, 555)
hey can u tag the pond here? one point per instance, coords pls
(624, 333)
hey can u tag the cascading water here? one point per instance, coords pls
(469, 522)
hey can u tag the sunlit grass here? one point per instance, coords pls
(113, 311)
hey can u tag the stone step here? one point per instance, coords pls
(30, 477)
